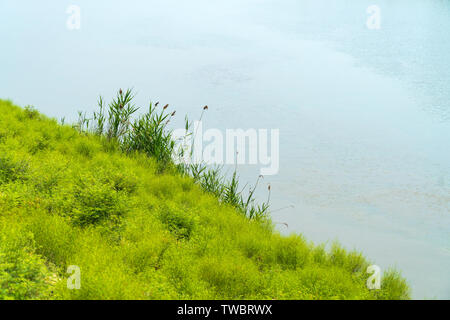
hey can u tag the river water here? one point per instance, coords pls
(363, 113)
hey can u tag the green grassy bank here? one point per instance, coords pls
(139, 232)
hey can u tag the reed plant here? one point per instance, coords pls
(150, 133)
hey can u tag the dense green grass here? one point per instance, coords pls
(139, 232)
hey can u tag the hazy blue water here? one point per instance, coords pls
(364, 115)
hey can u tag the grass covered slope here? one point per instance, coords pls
(73, 199)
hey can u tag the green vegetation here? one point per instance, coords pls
(106, 197)
(150, 135)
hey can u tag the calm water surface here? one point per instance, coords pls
(364, 115)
